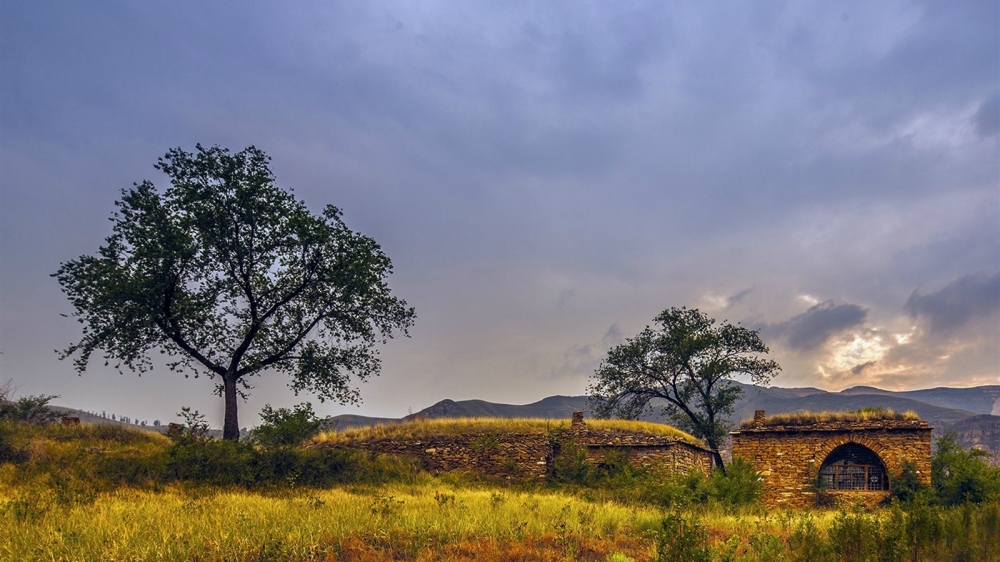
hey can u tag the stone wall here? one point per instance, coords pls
(789, 457)
(521, 456)
(529, 456)
(651, 451)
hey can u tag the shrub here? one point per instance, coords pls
(741, 485)
(807, 543)
(959, 475)
(570, 464)
(679, 490)
(682, 540)
(285, 428)
(854, 537)
(906, 486)
(28, 409)
(195, 426)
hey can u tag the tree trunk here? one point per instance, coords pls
(718, 461)
(231, 427)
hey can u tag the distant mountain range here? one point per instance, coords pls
(973, 413)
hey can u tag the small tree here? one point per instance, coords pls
(687, 361)
(959, 475)
(232, 277)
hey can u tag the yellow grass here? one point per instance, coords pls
(314, 525)
(809, 418)
(422, 429)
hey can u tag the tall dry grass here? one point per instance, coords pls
(810, 418)
(422, 429)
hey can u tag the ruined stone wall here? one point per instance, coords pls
(651, 451)
(506, 455)
(529, 456)
(789, 458)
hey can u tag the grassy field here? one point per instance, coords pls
(93, 493)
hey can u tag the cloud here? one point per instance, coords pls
(613, 337)
(987, 118)
(814, 327)
(951, 307)
(738, 297)
(583, 359)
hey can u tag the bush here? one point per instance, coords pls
(854, 537)
(570, 464)
(682, 540)
(284, 427)
(741, 485)
(960, 476)
(906, 486)
(26, 409)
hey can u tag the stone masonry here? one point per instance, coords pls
(529, 456)
(789, 457)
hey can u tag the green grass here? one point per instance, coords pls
(422, 429)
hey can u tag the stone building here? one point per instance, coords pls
(810, 459)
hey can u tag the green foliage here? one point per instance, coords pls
(739, 486)
(808, 544)
(570, 464)
(26, 409)
(959, 475)
(231, 463)
(906, 486)
(687, 361)
(284, 427)
(682, 539)
(855, 537)
(195, 426)
(230, 276)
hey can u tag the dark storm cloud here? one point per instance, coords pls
(814, 327)
(954, 305)
(738, 297)
(987, 117)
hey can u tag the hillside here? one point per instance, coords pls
(979, 399)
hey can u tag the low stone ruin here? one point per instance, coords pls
(530, 456)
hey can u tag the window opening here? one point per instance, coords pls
(853, 467)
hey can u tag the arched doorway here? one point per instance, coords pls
(853, 467)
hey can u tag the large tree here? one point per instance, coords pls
(230, 276)
(687, 361)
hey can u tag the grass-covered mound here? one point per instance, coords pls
(422, 429)
(87, 459)
(793, 419)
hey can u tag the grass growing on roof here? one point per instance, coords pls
(421, 429)
(810, 418)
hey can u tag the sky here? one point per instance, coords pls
(545, 176)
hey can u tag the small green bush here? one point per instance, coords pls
(570, 464)
(855, 537)
(28, 409)
(906, 486)
(680, 539)
(740, 486)
(286, 428)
